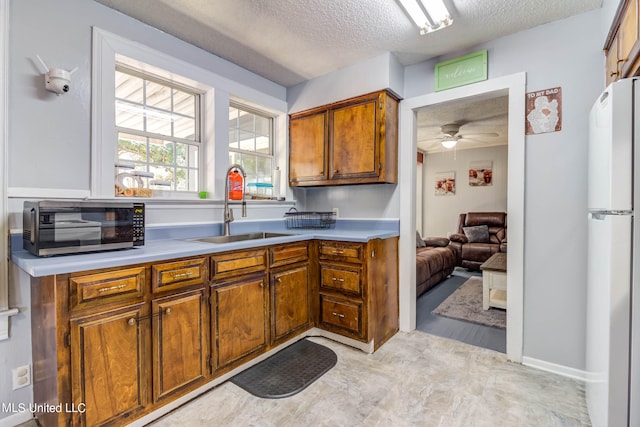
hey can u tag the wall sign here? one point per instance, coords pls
(543, 111)
(461, 71)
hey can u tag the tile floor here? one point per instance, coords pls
(415, 379)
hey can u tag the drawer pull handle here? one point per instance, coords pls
(181, 275)
(340, 315)
(337, 279)
(112, 288)
(338, 252)
(131, 321)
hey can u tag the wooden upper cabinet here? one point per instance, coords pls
(356, 139)
(622, 48)
(308, 156)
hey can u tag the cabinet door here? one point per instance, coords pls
(627, 38)
(290, 301)
(179, 342)
(611, 63)
(308, 148)
(239, 313)
(354, 152)
(108, 365)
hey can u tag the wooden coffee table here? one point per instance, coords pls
(494, 281)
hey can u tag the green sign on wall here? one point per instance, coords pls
(461, 71)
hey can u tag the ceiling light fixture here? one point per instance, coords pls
(449, 143)
(439, 16)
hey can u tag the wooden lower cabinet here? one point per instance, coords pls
(358, 289)
(113, 345)
(109, 366)
(290, 310)
(180, 342)
(239, 309)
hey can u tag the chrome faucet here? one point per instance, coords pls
(228, 213)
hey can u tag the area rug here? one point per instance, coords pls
(287, 372)
(465, 303)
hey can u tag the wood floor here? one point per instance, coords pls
(467, 332)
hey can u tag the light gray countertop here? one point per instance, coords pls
(168, 242)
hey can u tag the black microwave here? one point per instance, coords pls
(53, 227)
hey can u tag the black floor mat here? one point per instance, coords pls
(287, 372)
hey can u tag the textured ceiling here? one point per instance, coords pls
(291, 41)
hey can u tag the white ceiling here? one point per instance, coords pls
(291, 41)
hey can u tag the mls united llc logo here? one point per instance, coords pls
(43, 407)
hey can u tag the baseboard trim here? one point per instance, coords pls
(565, 371)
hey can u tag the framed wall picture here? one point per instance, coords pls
(445, 184)
(481, 173)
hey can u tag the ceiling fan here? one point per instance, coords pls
(450, 136)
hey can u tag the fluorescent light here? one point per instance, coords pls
(415, 12)
(437, 12)
(449, 143)
(439, 16)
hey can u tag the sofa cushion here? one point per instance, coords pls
(458, 237)
(477, 233)
(438, 242)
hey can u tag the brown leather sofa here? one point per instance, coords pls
(435, 260)
(479, 235)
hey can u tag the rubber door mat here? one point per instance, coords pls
(287, 372)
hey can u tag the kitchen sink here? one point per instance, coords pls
(239, 237)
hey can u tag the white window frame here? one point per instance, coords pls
(110, 50)
(107, 48)
(199, 134)
(272, 140)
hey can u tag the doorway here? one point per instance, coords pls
(514, 87)
(466, 141)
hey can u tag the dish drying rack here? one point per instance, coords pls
(295, 219)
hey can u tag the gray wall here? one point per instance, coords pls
(568, 54)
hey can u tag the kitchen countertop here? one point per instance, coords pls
(168, 242)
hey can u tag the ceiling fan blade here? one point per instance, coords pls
(474, 140)
(491, 134)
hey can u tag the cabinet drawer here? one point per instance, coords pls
(340, 278)
(178, 274)
(343, 251)
(109, 286)
(342, 314)
(236, 263)
(282, 255)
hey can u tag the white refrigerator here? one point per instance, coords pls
(613, 282)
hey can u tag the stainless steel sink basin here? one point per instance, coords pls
(239, 237)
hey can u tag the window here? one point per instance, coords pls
(159, 134)
(251, 143)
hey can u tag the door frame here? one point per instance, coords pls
(514, 86)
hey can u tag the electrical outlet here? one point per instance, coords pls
(21, 376)
(336, 212)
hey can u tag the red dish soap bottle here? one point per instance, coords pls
(236, 185)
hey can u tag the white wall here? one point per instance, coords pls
(441, 212)
(568, 54)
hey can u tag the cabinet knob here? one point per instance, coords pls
(131, 321)
(168, 311)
